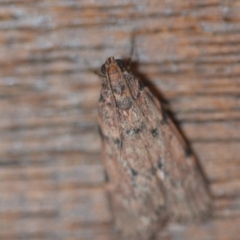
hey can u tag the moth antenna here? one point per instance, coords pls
(93, 70)
(133, 49)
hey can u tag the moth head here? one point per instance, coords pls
(112, 65)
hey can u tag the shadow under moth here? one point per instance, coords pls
(151, 177)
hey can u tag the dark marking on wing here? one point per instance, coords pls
(164, 115)
(160, 163)
(139, 129)
(138, 95)
(103, 137)
(101, 98)
(154, 132)
(118, 142)
(119, 89)
(106, 176)
(136, 130)
(187, 151)
(141, 85)
(134, 172)
(124, 103)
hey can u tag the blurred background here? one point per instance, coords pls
(51, 175)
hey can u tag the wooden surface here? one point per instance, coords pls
(52, 179)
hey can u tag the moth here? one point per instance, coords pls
(152, 178)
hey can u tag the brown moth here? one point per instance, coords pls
(151, 176)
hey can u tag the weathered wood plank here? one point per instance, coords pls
(52, 180)
(214, 230)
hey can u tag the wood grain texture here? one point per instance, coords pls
(52, 180)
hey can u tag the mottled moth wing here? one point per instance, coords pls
(151, 178)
